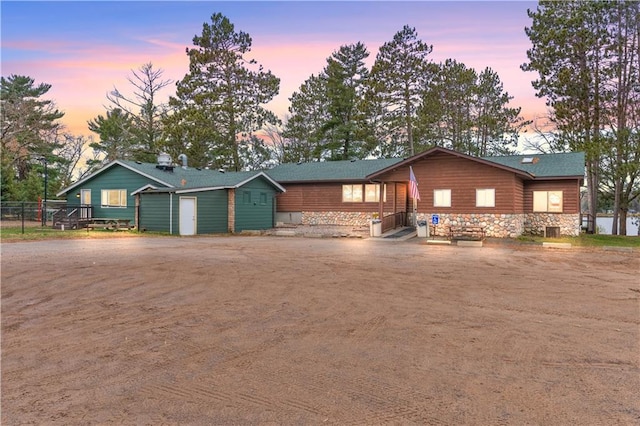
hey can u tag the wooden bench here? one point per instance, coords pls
(115, 224)
(473, 233)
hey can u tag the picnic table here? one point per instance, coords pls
(109, 223)
(474, 233)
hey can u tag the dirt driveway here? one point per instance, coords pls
(268, 330)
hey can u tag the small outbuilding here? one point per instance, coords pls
(175, 199)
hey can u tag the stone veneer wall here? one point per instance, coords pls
(337, 218)
(534, 223)
(507, 225)
(495, 225)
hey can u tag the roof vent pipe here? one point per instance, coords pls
(183, 158)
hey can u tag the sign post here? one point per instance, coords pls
(435, 220)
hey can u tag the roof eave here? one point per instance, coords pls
(104, 169)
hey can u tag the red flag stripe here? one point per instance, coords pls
(413, 185)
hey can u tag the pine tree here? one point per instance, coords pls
(223, 91)
(398, 77)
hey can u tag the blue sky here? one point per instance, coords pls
(85, 49)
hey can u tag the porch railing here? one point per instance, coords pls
(72, 217)
(393, 221)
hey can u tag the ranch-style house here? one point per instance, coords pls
(506, 196)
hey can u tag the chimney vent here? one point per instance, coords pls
(183, 158)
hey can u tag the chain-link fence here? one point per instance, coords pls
(28, 213)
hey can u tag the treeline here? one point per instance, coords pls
(404, 104)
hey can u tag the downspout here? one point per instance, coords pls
(171, 213)
(381, 200)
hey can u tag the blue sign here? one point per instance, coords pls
(435, 219)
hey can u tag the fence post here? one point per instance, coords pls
(22, 214)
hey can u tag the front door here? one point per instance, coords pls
(85, 203)
(187, 215)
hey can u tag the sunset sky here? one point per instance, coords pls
(84, 48)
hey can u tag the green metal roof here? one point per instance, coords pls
(179, 178)
(190, 177)
(559, 165)
(329, 170)
(568, 164)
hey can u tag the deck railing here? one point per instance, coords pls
(393, 221)
(72, 217)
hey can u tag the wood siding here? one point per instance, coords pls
(462, 177)
(570, 194)
(320, 197)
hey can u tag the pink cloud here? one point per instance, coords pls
(82, 74)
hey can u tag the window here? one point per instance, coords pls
(441, 198)
(263, 198)
(351, 193)
(547, 201)
(114, 198)
(485, 197)
(372, 193)
(246, 197)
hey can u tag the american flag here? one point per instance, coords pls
(413, 185)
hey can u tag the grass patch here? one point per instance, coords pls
(32, 233)
(589, 240)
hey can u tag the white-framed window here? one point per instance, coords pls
(113, 198)
(441, 198)
(372, 193)
(486, 197)
(547, 201)
(352, 193)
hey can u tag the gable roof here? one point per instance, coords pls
(568, 165)
(179, 178)
(327, 171)
(541, 166)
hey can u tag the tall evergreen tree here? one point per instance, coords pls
(621, 165)
(308, 113)
(570, 50)
(346, 129)
(398, 77)
(496, 125)
(328, 119)
(28, 138)
(446, 113)
(223, 90)
(116, 135)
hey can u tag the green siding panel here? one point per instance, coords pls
(114, 178)
(255, 206)
(212, 211)
(211, 208)
(155, 213)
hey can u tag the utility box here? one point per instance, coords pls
(375, 229)
(423, 229)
